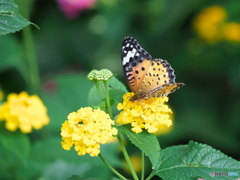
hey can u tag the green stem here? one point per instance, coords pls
(112, 169)
(31, 59)
(127, 158)
(150, 176)
(143, 163)
(98, 89)
(108, 98)
(28, 43)
(119, 138)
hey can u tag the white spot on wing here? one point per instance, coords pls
(127, 73)
(172, 73)
(128, 56)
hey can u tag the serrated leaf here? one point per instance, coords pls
(145, 141)
(194, 161)
(10, 18)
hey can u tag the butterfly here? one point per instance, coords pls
(146, 77)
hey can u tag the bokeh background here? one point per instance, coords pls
(200, 39)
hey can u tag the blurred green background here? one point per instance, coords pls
(206, 110)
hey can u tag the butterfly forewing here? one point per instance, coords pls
(135, 62)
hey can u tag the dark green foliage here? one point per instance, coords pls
(206, 110)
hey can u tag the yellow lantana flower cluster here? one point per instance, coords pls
(231, 31)
(211, 24)
(87, 129)
(24, 112)
(144, 114)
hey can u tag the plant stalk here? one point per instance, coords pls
(98, 89)
(108, 98)
(29, 49)
(143, 163)
(112, 169)
(127, 158)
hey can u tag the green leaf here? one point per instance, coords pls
(74, 177)
(10, 19)
(194, 161)
(147, 142)
(54, 162)
(117, 90)
(64, 94)
(11, 55)
(16, 143)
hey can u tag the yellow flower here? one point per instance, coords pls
(231, 31)
(136, 162)
(163, 129)
(87, 129)
(1, 95)
(112, 140)
(144, 114)
(24, 112)
(209, 23)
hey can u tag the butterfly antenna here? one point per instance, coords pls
(114, 88)
(111, 87)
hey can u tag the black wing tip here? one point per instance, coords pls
(129, 39)
(132, 41)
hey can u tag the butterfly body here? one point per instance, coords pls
(146, 77)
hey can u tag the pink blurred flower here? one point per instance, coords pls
(72, 8)
(51, 86)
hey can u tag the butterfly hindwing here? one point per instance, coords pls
(159, 73)
(164, 90)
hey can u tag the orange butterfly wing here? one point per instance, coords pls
(159, 80)
(146, 77)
